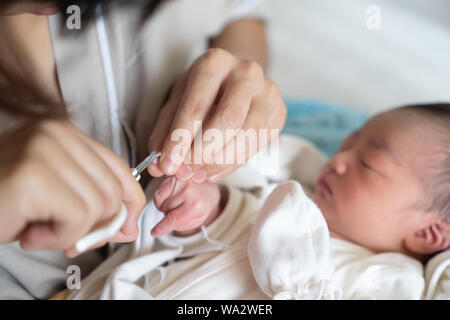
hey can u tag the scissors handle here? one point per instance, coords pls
(104, 233)
(111, 229)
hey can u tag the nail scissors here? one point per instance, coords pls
(118, 221)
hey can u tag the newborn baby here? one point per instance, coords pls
(387, 189)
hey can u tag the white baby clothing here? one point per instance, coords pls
(252, 251)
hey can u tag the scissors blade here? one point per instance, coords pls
(147, 161)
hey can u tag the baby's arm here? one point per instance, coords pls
(187, 206)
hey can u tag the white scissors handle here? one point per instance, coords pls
(111, 229)
(104, 233)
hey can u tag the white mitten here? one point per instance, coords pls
(289, 247)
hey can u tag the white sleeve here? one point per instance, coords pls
(384, 276)
(237, 217)
(289, 158)
(299, 160)
(289, 247)
(437, 275)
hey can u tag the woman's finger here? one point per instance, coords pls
(163, 124)
(133, 195)
(91, 164)
(265, 119)
(202, 89)
(229, 117)
(67, 212)
(119, 237)
(71, 174)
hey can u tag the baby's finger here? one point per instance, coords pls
(166, 225)
(184, 217)
(163, 192)
(172, 221)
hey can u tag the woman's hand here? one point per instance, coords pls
(223, 93)
(187, 206)
(63, 186)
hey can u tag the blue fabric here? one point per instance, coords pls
(324, 124)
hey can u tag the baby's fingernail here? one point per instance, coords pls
(200, 176)
(168, 166)
(154, 233)
(184, 173)
(154, 164)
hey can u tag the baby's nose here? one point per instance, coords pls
(339, 163)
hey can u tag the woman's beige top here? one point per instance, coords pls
(146, 61)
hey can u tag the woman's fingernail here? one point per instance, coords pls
(71, 253)
(127, 227)
(168, 166)
(154, 169)
(215, 178)
(184, 173)
(200, 176)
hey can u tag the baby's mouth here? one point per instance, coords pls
(323, 185)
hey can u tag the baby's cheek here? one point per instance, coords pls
(351, 201)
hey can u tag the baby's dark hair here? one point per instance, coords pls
(437, 179)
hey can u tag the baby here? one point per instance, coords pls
(386, 189)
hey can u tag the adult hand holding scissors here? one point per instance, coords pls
(65, 185)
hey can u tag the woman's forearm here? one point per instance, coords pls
(246, 39)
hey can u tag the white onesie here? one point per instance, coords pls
(270, 241)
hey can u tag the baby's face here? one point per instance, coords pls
(369, 192)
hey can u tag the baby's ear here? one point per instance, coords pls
(435, 237)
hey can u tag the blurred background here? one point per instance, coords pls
(323, 49)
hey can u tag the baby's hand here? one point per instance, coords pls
(187, 206)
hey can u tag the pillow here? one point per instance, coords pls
(322, 123)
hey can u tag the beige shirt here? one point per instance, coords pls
(145, 62)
